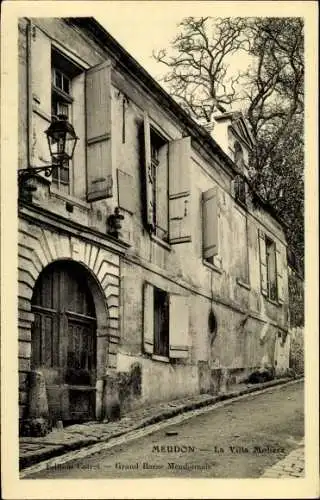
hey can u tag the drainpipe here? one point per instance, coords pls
(29, 93)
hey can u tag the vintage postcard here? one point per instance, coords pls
(159, 243)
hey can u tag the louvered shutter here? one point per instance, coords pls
(280, 272)
(178, 326)
(98, 124)
(179, 191)
(211, 221)
(148, 198)
(263, 263)
(40, 55)
(148, 318)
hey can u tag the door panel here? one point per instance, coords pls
(81, 351)
(64, 340)
(81, 404)
(45, 345)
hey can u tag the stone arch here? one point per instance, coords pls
(97, 292)
(39, 247)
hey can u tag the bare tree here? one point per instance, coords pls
(198, 76)
(202, 79)
(274, 83)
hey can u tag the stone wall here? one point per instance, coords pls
(297, 350)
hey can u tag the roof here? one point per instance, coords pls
(103, 38)
(127, 62)
(240, 122)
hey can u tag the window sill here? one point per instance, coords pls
(212, 267)
(67, 197)
(243, 284)
(160, 242)
(273, 302)
(158, 357)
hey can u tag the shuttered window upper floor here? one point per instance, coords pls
(61, 86)
(273, 268)
(167, 190)
(137, 155)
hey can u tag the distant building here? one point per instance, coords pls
(148, 269)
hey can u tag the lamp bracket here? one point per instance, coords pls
(25, 172)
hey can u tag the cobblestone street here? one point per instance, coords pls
(57, 442)
(291, 466)
(242, 439)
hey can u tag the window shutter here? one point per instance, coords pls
(280, 271)
(41, 97)
(98, 123)
(178, 326)
(211, 216)
(147, 173)
(233, 187)
(179, 191)
(148, 318)
(125, 191)
(263, 263)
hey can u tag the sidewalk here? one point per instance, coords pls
(292, 466)
(58, 442)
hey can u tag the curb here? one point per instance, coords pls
(165, 414)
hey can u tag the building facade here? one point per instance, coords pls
(148, 268)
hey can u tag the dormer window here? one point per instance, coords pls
(238, 156)
(240, 189)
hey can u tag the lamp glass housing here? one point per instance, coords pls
(62, 140)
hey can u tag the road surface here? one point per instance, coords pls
(239, 440)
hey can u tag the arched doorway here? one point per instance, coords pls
(64, 343)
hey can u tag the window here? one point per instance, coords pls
(211, 226)
(271, 269)
(240, 189)
(167, 185)
(61, 82)
(165, 323)
(62, 73)
(65, 87)
(161, 322)
(61, 103)
(238, 156)
(159, 175)
(61, 99)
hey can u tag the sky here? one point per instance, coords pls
(142, 26)
(142, 30)
(150, 27)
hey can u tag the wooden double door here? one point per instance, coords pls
(64, 341)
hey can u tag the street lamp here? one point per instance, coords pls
(62, 141)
